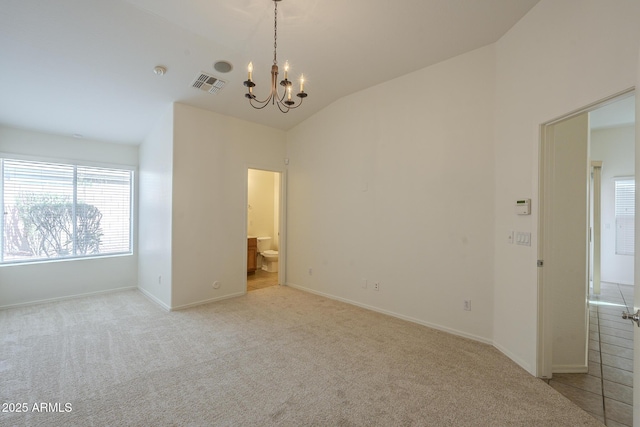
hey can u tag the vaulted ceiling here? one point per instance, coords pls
(86, 66)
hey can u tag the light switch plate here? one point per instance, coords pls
(523, 238)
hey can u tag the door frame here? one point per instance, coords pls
(282, 220)
(544, 301)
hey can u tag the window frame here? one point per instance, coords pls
(623, 251)
(75, 164)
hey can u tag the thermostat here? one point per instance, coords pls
(523, 207)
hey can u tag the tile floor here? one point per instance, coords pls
(261, 279)
(606, 391)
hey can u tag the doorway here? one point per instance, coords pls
(264, 223)
(579, 320)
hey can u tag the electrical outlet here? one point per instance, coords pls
(376, 286)
(467, 305)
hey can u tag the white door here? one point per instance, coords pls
(636, 274)
(596, 219)
(564, 247)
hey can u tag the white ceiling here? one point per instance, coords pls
(86, 66)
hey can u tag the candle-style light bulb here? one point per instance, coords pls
(286, 69)
(302, 83)
(250, 69)
(289, 93)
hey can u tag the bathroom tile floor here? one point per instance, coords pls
(261, 279)
(606, 391)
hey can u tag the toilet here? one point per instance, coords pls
(269, 257)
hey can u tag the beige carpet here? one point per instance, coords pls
(277, 356)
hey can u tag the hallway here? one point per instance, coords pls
(606, 391)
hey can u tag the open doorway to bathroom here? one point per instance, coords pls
(263, 228)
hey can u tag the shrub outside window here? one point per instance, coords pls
(59, 211)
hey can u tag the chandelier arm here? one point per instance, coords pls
(281, 98)
(260, 107)
(266, 100)
(286, 108)
(282, 105)
(299, 103)
(292, 107)
(275, 97)
(261, 104)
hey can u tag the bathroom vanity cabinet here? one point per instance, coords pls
(252, 254)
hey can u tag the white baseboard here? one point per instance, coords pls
(569, 369)
(207, 301)
(397, 315)
(67, 297)
(519, 361)
(154, 299)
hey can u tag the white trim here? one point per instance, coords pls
(543, 336)
(521, 362)
(153, 299)
(544, 332)
(67, 297)
(396, 315)
(570, 369)
(518, 360)
(282, 218)
(67, 161)
(65, 259)
(593, 106)
(207, 301)
(132, 212)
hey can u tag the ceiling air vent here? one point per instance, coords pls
(207, 83)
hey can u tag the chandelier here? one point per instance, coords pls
(284, 101)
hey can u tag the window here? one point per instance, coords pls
(625, 199)
(54, 211)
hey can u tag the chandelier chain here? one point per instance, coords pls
(283, 101)
(275, 33)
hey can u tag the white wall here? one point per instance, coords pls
(211, 153)
(27, 283)
(563, 55)
(400, 183)
(66, 149)
(394, 184)
(155, 214)
(261, 210)
(616, 148)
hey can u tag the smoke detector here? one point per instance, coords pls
(159, 70)
(208, 83)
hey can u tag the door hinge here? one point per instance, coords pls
(540, 263)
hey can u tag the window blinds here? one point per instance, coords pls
(60, 211)
(625, 197)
